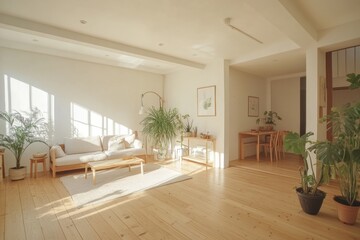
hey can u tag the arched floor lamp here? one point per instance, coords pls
(141, 111)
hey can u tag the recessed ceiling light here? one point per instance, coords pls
(83, 21)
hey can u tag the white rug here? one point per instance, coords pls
(115, 183)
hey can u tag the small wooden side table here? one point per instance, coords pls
(2, 168)
(35, 161)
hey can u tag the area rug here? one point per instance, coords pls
(115, 183)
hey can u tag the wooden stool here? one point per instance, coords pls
(35, 161)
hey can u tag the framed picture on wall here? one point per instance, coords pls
(206, 101)
(253, 106)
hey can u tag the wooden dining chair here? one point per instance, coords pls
(279, 147)
(270, 145)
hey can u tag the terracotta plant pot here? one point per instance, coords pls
(347, 214)
(17, 174)
(310, 204)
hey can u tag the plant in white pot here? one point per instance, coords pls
(343, 153)
(162, 126)
(22, 131)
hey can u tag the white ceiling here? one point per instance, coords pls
(163, 36)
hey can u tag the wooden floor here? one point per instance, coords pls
(249, 200)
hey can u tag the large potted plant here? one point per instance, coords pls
(23, 130)
(162, 126)
(343, 153)
(310, 197)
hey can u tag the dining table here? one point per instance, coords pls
(257, 136)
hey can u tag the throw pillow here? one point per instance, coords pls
(116, 143)
(59, 152)
(129, 140)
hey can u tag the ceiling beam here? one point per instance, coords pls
(39, 29)
(284, 15)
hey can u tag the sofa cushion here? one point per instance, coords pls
(125, 153)
(129, 140)
(82, 145)
(59, 152)
(80, 158)
(116, 143)
(136, 144)
(105, 141)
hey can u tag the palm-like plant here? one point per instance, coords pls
(162, 126)
(22, 132)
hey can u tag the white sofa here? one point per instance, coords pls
(75, 153)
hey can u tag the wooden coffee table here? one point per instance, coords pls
(114, 163)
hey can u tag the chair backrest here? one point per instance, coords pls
(274, 139)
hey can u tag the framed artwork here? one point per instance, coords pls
(206, 101)
(253, 106)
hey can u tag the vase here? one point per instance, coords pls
(187, 134)
(347, 214)
(17, 173)
(310, 203)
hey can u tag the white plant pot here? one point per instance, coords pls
(17, 174)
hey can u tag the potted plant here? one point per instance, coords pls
(187, 125)
(343, 153)
(162, 126)
(22, 132)
(269, 119)
(310, 197)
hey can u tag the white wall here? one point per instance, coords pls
(111, 93)
(243, 85)
(285, 100)
(181, 92)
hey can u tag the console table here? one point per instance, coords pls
(194, 142)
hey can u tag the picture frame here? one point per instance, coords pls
(253, 106)
(206, 101)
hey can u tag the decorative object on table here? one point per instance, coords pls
(116, 183)
(162, 126)
(310, 197)
(37, 158)
(206, 101)
(23, 130)
(187, 125)
(269, 120)
(205, 135)
(343, 153)
(253, 106)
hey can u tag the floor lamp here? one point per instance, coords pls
(141, 111)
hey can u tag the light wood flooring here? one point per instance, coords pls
(249, 200)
